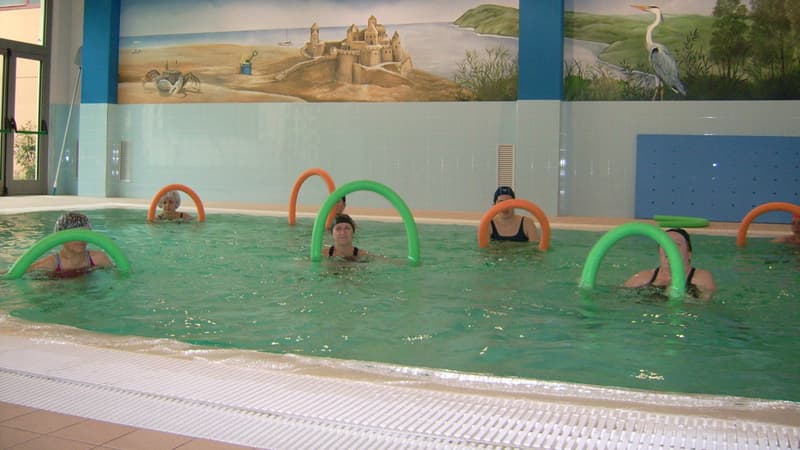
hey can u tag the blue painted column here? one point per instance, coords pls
(100, 61)
(541, 49)
(541, 43)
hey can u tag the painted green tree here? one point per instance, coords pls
(729, 45)
(775, 36)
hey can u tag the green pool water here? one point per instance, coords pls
(240, 281)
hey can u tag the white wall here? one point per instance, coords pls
(599, 141)
(440, 156)
(67, 37)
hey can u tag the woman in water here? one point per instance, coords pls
(73, 258)
(507, 225)
(342, 231)
(169, 204)
(699, 282)
(794, 238)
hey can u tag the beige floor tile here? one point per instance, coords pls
(93, 432)
(202, 444)
(10, 437)
(10, 410)
(42, 421)
(46, 442)
(147, 440)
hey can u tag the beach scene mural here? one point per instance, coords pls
(201, 51)
(681, 50)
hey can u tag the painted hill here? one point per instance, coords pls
(491, 19)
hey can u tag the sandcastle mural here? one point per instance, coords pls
(361, 52)
(368, 63)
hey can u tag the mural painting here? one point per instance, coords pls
(316, 51)
(682, 50)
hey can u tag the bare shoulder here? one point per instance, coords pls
(101, 259)
(639, 279)
(529, 226)
(703, 276)
(46, 263)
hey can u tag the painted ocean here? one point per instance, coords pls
(436, 48)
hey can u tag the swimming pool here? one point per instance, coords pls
(246, 282)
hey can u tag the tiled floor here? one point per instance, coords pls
(24, 428)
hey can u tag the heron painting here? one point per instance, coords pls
(662, 62)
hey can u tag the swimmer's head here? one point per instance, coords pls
(174, 195)
(72, 219)
(343, 218)
(685, 235)
(503, 190)
(340, 205)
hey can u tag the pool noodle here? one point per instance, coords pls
(741, 234)
(48, 242)
(378, 188)
(483, 225)
(680, 221)
(201, 212)
(677, 286)
(296, 190)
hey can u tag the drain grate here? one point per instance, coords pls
(280, 409)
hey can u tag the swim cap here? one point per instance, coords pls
(72, 219)
(343, 218)
(503, 190)
(685, 235)
(174, 195)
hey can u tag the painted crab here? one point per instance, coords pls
(170, 82)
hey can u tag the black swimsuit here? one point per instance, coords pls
(330, 252)
(180, 216)
(691, 289)
(519, 237)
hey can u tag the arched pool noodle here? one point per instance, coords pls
(201, 212)
(48, 242)
(378, 188)
(296, 190)
(741, 235)
(677, 287)
(483, 226)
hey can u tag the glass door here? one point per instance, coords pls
(24, 97)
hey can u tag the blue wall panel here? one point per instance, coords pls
(720, 178)
(100, 51)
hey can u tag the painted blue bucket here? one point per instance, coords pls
(246, 68)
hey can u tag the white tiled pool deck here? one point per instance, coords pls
(283, 401)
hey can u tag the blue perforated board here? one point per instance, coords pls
(720, 178)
